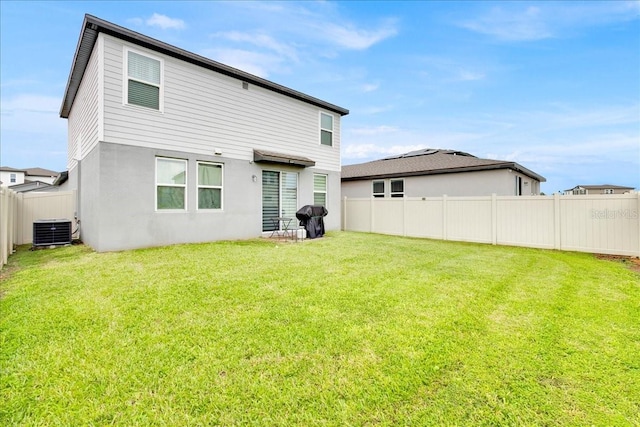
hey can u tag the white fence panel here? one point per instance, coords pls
(602, 224)
(468, 219)
(525, 221)
(608, 224)
(424, 218)
(8, 208)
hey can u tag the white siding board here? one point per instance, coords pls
(204, 110)
(83, 120)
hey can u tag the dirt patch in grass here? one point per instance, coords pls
(632, 263)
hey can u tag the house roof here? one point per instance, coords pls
(40, 172)
(92, 26)
(600, 187)
(428, 162)
(8, 169)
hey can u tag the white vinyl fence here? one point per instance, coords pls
(607, 224)
(18, 211)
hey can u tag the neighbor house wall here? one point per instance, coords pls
(501, 182)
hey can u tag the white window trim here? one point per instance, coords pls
(378, 195)
(396, 194)
(13, 178)
(125, 80)
(326, 187)
(333, 120)
(221, 186)
(186, 181)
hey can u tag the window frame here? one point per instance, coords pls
(325, 192)
(126, 78)
(330, 131)
(186, 182)
(396, 193)
(220, 187)
(373, 187)
(13, 178)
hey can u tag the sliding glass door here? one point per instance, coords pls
(279, 197)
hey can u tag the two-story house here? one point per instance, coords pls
(166, 146)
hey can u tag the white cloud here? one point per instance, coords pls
(511, 25)
(349, 37)
(260, 40)
(164, 22)
(377, 130)
(259, 64)
(515, 22)
(370, 87)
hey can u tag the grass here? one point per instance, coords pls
(353, 329)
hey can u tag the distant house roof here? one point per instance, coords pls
(428, 162)
(600, 187)
(40, 172)
(30, 186)
(92, 26)
(8, 169)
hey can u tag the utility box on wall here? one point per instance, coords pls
(47, 232)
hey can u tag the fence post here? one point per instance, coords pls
(494, 219)
(404, 216)
(444, 217)
(638, 216)
(344, 213)
(557, 242)
(371, 214)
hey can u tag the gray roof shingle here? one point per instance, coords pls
(428, 162)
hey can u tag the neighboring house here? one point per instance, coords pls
(166, 146)
(598, 189)
(435, 172)
(11, 176)
(22, 180)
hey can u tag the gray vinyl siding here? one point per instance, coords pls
(84, 117)
(204, 111)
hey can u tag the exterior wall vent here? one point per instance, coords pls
(48, 232)
(245, 85)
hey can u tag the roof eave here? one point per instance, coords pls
(513, 166)
(92, 26)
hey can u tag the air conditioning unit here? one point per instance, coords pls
(48, 232)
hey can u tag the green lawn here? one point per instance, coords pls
(352, 329)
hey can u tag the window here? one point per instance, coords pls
(320, 189)
(143, 80)
(326, 129)
(397, 188)
(12, 177)
(378, 188)
(171, 183)
(608, 191)
(209, 186)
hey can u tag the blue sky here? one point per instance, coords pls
(554, 86)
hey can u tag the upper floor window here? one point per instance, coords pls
(378, 188)
(326, 129)
(144, 76)
(397, 188)
(608, 191)
(171, 183)
(320, 189)
(209, 185)
(12, 177)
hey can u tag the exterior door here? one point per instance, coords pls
(279, 197)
